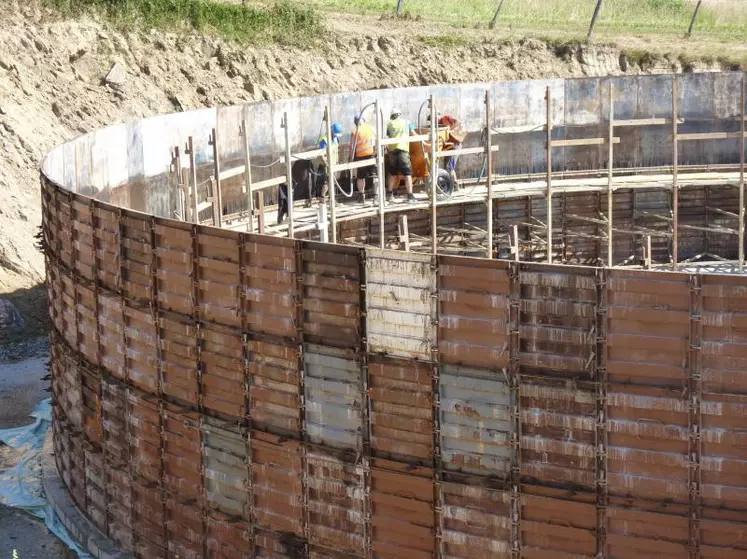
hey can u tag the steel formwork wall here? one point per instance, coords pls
(229, 395)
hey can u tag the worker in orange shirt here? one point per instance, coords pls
(362, 147)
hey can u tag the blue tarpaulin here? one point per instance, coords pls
(21, 485)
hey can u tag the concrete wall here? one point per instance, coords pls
(138, 155)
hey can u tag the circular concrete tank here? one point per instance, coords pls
(222, 393)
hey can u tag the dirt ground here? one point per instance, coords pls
(22, 386)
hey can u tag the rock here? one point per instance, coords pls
(41, 46)
(10, 319)
(77, 55)
(117, 75)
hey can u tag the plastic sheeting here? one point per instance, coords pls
(21, 485)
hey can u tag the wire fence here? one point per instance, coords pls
(654, 14)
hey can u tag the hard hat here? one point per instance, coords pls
(337, 129)
(395, 113)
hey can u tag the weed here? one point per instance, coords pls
(284, 22)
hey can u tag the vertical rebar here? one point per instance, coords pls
(548, 98)
(434, 176)
(489, 154)
(332, 186)
(288, 175)
(675, 162)
(381, 191)
(741, 179)
(610, 162)
(248, 177)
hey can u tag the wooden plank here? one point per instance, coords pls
(708, 136)
(583, 142)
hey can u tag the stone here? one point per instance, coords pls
(10, 319)
(117, 75)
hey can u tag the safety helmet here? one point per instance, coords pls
(337, 129)
(395, 113)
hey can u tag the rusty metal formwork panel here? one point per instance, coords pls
(473, 311)
(557, 432)
(178, 358)
(648, 341)
(269, 545)
(226, 537)
(475, 421)
(270, 265)
(333, 402)
(723, 400)
(400, 303)
(95, 482)
(336, 502)
(175, 260)
(557, 524)
(401, 409)
(557, 321)
(402, 520)
(111, 334)
(183, 481)
(222, 378)
(331, 295)
(276, 484)
(638, 533)
(274, 389)
(143, 425)
(476, 521)
(217, 270)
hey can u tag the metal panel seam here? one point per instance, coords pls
(298, 297)
(694, 396)
(156, 313)
(200, 372)
(514, 271)
(601, 437)
(365, 407)
(247, 420)
(438, 520)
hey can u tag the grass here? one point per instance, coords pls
(726, 20)
(285, 21)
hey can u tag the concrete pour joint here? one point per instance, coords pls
(85, 533)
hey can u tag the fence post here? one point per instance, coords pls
(400, 6)
(597, 11)
(497, 13)
(692, 21)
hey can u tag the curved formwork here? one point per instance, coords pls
(223, 393)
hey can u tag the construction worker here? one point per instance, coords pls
(362, 140)
(454, 141)
(400, 165)
(322, 168)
